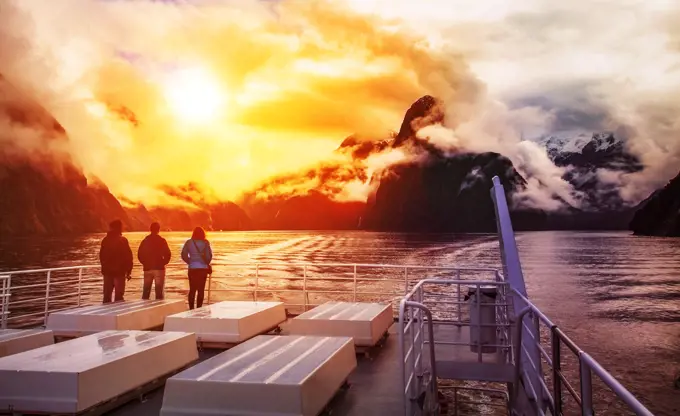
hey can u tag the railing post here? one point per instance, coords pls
(537, 327)
(459, 306)
(557, 370)
(479, 323)
(304, 287)
(586, 388)
(209, 287)
(416, 360)
(455, 401)
(80, 283)
(402, 353)
(257, 279)
(6, 288)
(405, 281)
(354, 294)
(47, 296)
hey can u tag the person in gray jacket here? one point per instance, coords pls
(198, 255)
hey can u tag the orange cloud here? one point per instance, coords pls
(293, 80)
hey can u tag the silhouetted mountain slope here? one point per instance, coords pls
(445, 195)
(220, 216)
(660, 214)
(313, 211)
(41, 189)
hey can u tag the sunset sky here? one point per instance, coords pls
(229, 93)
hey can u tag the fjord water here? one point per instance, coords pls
(616, 295)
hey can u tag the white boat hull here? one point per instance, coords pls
(267, 375)
(366, 323)
(228, 322)
(76, 375)
(120, 316)
(14, 341)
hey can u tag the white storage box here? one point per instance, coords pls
(267, 375)
(130, 315)
(14, 341)
(228, 322)
(365, 322)
(75, 375)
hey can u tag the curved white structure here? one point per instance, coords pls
(75, 375)
(14, 341)
(267, 375)
(228, 322)
(366, 323)
(129, 315)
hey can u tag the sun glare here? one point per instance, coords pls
(194, 95)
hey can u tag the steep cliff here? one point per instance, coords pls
(436, 192)
(42, 190)
(445, 195)
(660, 214)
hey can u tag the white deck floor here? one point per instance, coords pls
(267, 375)
(75, 375)
(364, 322)
(228, 322)
(129, 315)
(14, 341)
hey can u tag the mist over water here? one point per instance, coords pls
(616, 295)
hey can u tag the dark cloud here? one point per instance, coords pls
(571, 106)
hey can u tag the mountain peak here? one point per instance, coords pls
(423, 112)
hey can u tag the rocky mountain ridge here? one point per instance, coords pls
(45, 192)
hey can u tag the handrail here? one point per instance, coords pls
(433, 366)
(412, 323)
(254, 286)
(587, 366)
(276, 264)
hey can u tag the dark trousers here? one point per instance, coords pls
(112, 282)
(197, 279)
(151, 277)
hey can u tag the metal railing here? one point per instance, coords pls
(420, 381)
(587, 366)
(416, 364)
(5, 281)
(424, 307)
(29, 296)
(496, 399)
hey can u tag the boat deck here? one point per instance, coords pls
(374, 386)
(459, 362)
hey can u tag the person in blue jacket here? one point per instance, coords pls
(198, 255)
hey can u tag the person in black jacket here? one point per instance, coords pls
(115, 257)
(154, 254)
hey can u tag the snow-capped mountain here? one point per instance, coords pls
(590, 162)
(597, 151)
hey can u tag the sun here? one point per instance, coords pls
(194, 95)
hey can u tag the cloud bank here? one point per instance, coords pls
(295, 77)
